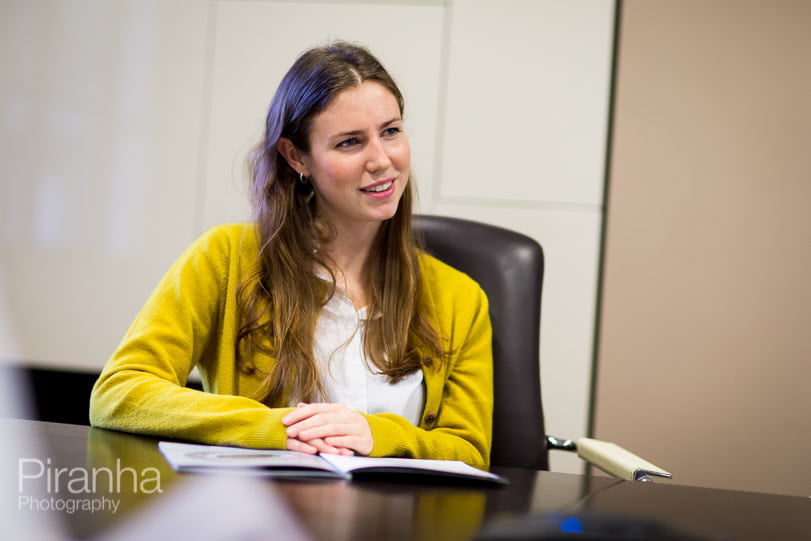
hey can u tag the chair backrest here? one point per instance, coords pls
(509, 267)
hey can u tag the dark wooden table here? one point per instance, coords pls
(358, 510)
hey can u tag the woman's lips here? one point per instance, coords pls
(380, 189)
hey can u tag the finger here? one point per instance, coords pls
(306, 431)
(322, 425)
(295, 416)
(359, 444)
(304, 411)
(345, 442)
(337, 418)
(312, 447)
(294, 430)
(322, 447)
(293, 444)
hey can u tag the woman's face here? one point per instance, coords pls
(359, 159)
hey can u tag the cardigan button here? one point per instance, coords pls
(427, 361)
(430, 418)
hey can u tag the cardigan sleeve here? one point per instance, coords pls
(185, 320)
(456, 424)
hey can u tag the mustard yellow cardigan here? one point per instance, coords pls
(191, 319)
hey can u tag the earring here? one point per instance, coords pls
(302, 178)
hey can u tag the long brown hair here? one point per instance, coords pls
(281, 303)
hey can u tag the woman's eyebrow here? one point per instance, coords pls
(348, 133)
(360, 132)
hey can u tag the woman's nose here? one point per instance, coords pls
(377, 157)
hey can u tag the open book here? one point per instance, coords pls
(190, 457)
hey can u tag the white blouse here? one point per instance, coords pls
(348, 378)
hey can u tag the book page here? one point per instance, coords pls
(189, 456)
(440, 467)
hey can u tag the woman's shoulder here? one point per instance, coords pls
(223, 246)
(456, 299)
(445, 280)
(229, 232)
(228, 238)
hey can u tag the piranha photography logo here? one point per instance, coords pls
(41, 486)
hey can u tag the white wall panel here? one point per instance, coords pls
(523, 146)
(527, 101)
(570, 243)
(99, 127)
(256, 43)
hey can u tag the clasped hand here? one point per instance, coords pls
(327, 428)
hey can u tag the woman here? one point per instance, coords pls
(320, 327)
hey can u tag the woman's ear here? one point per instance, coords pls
(287, 149)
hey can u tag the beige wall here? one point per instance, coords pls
(704, 364)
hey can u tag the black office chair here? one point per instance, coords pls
(509, 266)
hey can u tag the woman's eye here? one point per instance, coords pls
(346, 143)
(391, 131)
